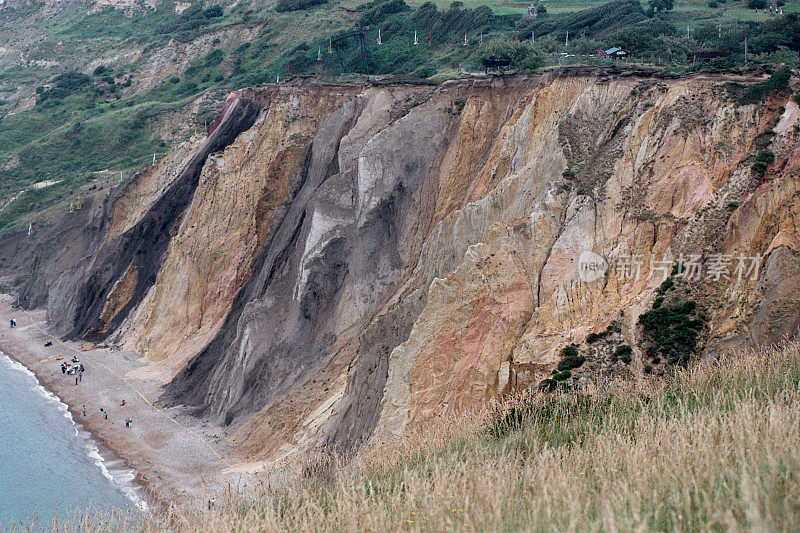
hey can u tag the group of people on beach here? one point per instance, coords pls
(74, 368)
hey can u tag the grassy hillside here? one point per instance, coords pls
(86, 90)
(716, 448)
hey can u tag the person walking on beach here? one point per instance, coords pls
(13, 323)
(76, 380)
(84, 410)
(63, 368)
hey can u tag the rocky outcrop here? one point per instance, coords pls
(85, 290)
(340, 263)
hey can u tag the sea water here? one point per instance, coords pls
(49, 466)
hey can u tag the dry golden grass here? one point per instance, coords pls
(716, 448)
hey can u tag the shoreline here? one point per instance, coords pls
(175, 458)
(96, 451)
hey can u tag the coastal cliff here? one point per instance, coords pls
(338, 263)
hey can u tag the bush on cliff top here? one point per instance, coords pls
(296, 5)
(521, 54)
(778, 82)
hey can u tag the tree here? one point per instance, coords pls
(661, 5)
(633, 39)
(522, 55)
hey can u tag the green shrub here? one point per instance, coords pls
(764, 139)
(570, 362)
(183, 27)
(665, 286)
(623, 350)
(561, 376)
(378, 11)
(522, 55)
(661, 5)
(570, 358)
(570, 350)
(594, 337)
(548, 384)
(765, 156)
(296, 5)
(214, 58)
(187, 88)
(213, 12)
(758, 169)
(426, 71)
(673, 329)
(778, 82)
(72, 80)
(101, 70)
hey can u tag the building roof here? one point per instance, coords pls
(613, 50)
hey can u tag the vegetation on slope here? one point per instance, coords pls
(672, 327)
(778, 82)
(91, 110)
(714, 448)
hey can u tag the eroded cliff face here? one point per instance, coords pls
(340, 263)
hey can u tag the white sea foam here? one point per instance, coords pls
(114, 470)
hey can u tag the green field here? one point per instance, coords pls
(693, 12)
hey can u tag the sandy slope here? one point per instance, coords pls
(177, 458)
